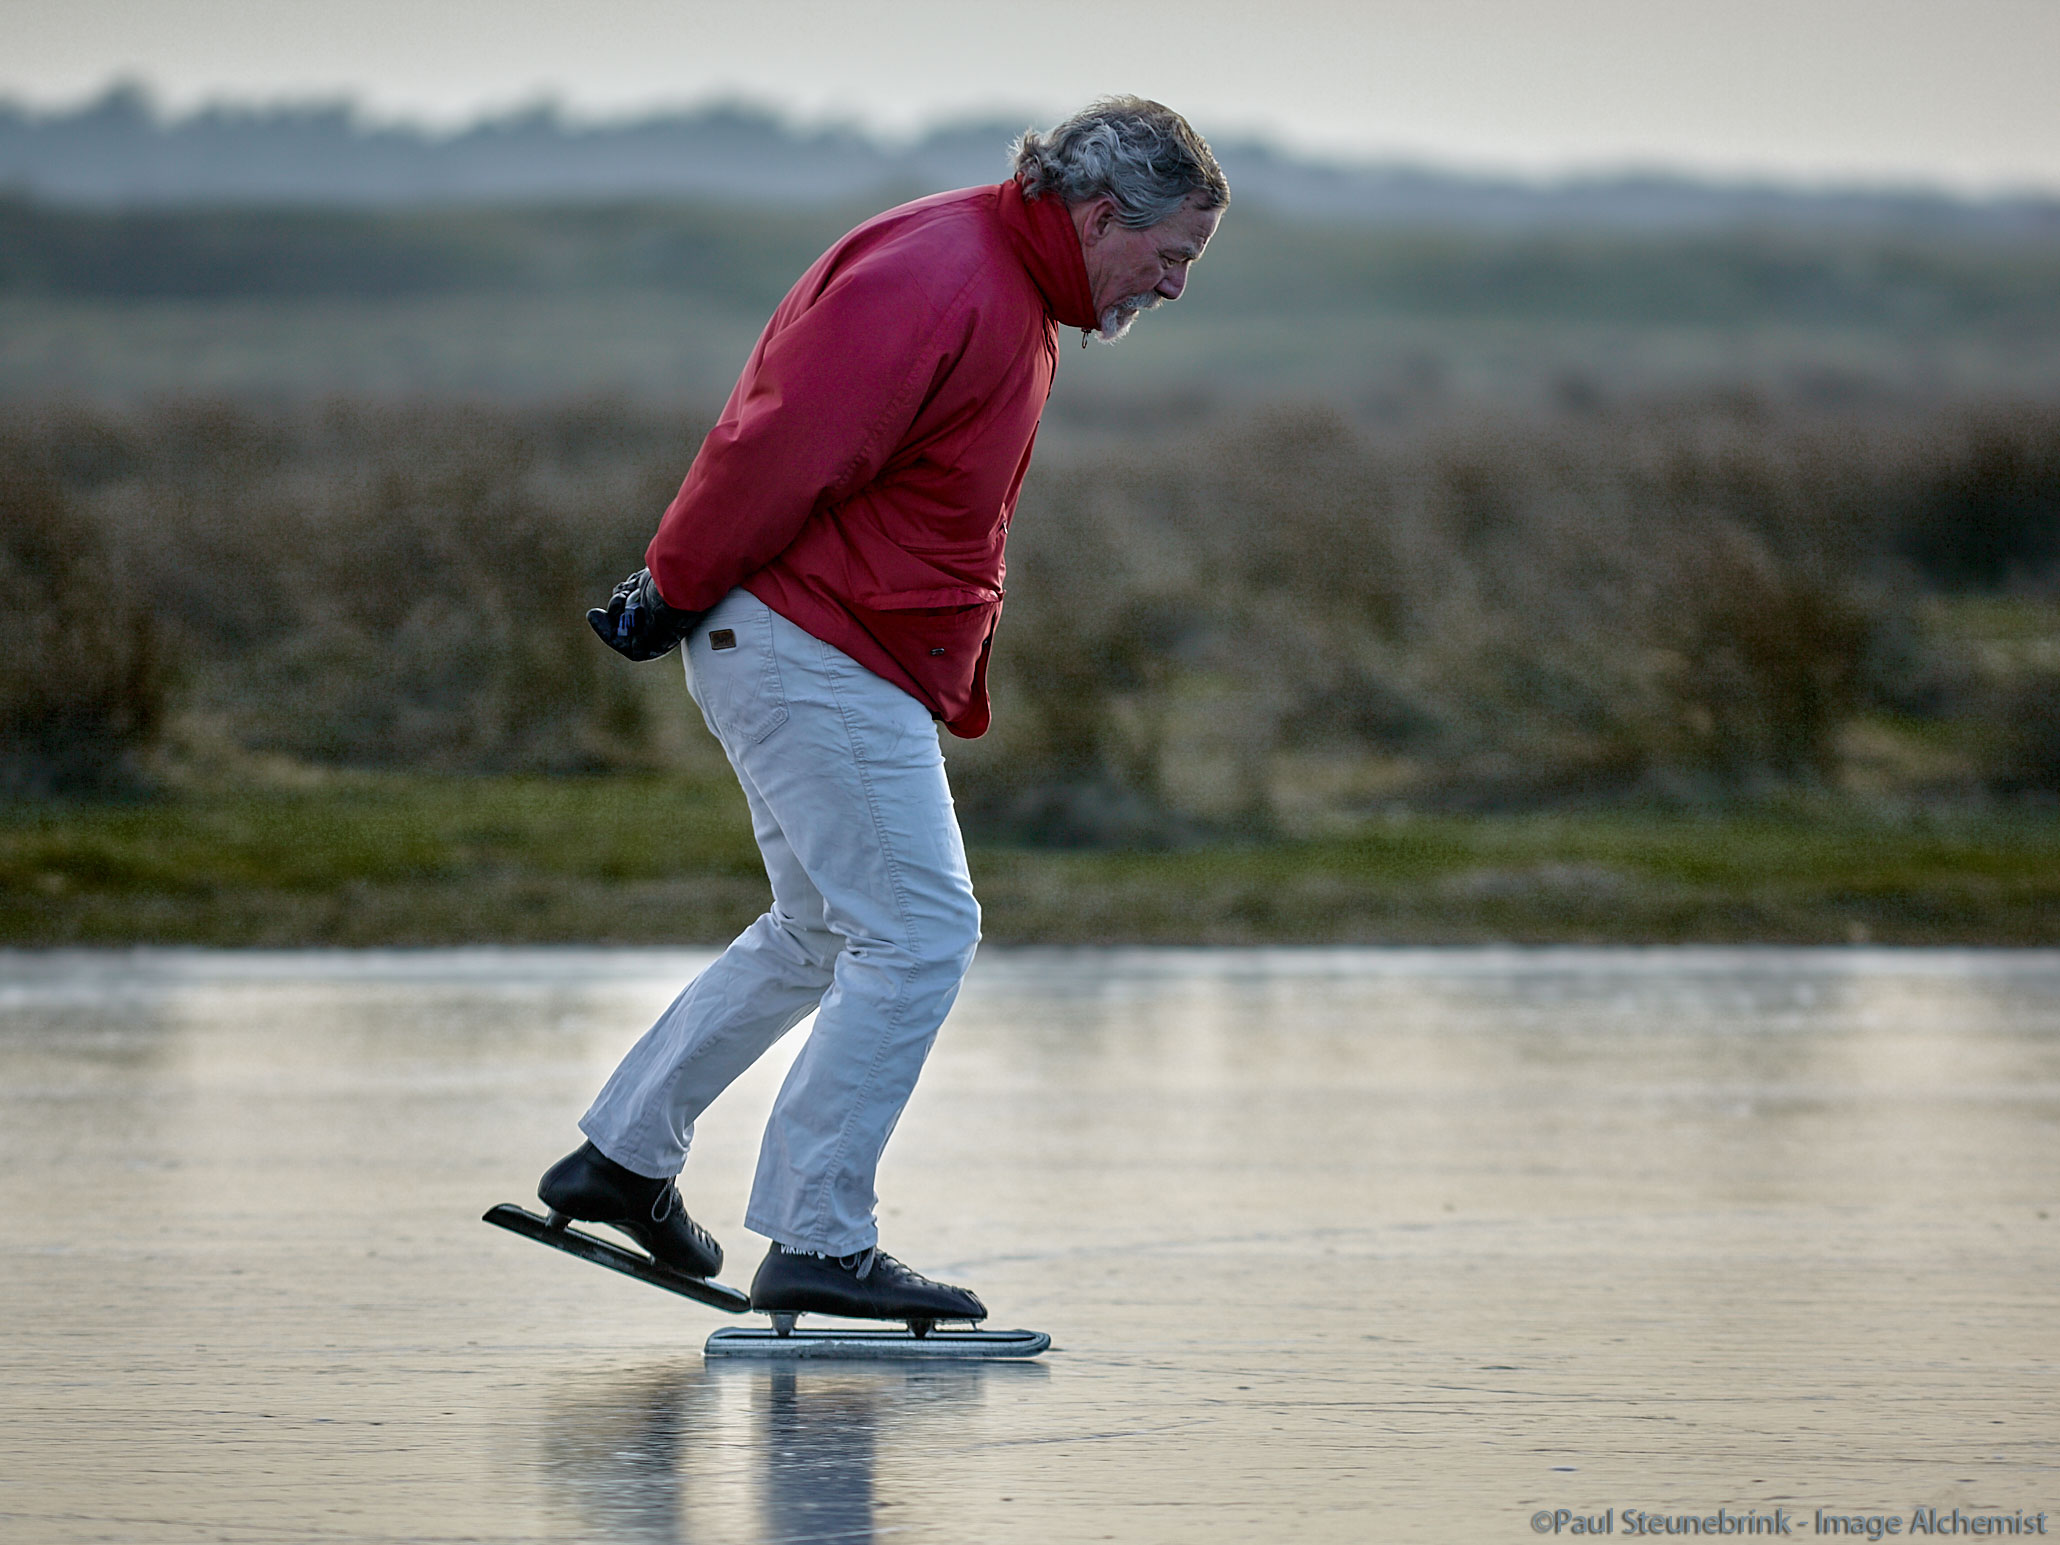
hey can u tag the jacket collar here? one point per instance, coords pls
(1041, 231)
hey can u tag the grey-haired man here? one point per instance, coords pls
(834, 563)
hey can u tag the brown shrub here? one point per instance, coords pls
(82, 688)
(1524, 612)
(388, 586)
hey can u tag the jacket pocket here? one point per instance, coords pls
(936, 635)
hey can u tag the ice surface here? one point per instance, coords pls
(1333, 1245)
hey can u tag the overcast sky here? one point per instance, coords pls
(1959, 92)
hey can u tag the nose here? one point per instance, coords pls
(1174, 283)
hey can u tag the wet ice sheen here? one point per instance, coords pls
(1334, 1245)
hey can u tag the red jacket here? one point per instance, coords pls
(862, 476)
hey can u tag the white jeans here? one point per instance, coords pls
(873, 919)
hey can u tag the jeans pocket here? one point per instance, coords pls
(737, 674)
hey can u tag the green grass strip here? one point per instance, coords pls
(360, 859)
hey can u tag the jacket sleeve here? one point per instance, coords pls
(828, 395)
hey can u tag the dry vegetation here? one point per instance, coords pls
(1687, 605)
(372, 586)
(1277, 624)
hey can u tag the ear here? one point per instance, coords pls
(1100, 215)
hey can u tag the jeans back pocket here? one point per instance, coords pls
(737, 679)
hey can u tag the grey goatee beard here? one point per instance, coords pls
(1115, 320)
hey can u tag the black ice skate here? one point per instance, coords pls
(591, 1186)
(867, 1286)
(871, 1285)
(557, 1232)
(588, 1185)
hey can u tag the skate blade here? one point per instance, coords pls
(736, 1341)
(703, 1290)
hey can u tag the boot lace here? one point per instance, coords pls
(866, 1260)
(666, 1203)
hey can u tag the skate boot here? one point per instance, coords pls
(871, 1285)
(590, 1186)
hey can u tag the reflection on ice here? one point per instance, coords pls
(816, 1438)
(618, 1459)
(690, 1452)
(1334, 1245)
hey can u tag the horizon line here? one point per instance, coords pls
(149, 101)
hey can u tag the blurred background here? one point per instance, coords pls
(1604, 414)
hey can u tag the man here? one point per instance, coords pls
(833, 562)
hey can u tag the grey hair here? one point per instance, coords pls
(1144, 156)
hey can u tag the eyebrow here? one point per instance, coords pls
(1186, 254)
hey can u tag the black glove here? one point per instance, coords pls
(637, 624)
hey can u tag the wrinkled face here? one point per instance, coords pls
(1131, 271)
